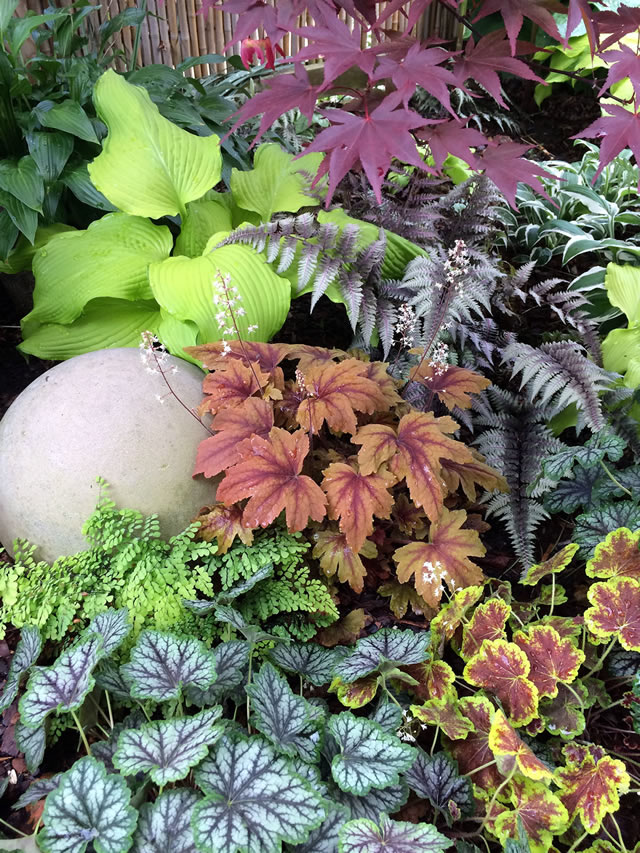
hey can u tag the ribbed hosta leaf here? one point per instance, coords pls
(165, 826)
(437, 779)
(310, 660)
(25, 655)
(383, 651)
(368, 757)
(364, 836)
(62, 686)
(32, 743)
(167, 749)
(254, 802)
(324, 839)
(231, 659)
(162, 664)
(112, 626)
(90, 806)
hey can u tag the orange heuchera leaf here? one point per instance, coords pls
(270, 476)
(223, 524)
(309, 356)
(413, 452)
(487, 623)
(444, 559)
(590, 784)
(443, 626)
(336, 555)
(468, 474)
(231, 386)
(358, 693)
(453, 385)
(377, 372)
(345, 631)
(513, 753)
(615, 611)
(617, 556)
(217, 355)
(355, 498)
(435, 679)
(409, 518)
(552, 659)
(445, 714)
(541, 812)
(221, 451)
(474, 751)
(554, 564)
(401, 596)
(503, 668)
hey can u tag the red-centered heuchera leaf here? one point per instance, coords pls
(567, 626)
(357, 693)
(470, 474)
(513, 753)
(554, 564)
(420, 65)
(221, 451)
(453, 385)
(619, 129)
(617, 556)
(505, 166)
(413, 452)
(541, 812)
(270, 476)
(231, 386)
(443, 559)
(590, 784)
(503, 668)
(564, 715)
(336, 555)
(513, 13)
(448, 619)
(474, 752)
(446, 136)
(355, 499)
(552, 659)
(223, 524)
(445, 714)
(217, 355)
(435, 679)
(487, 623)
(615, 611)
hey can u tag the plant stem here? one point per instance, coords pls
(600, 661)
(553, 593)
(136, 43)
(81, 730)
(482, 767)
(575, 844)
(614, 480)
(494, 799)
(13, 829)
(435, 740)
(106, 696)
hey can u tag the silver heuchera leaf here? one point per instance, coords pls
(165, 826)
(384, 650)
(363, 836)
(162, 664)
(437, 779)
(376, 803)
(37, 790)
(324, 839)
(88, 806)
(368, 757)
(310, 660)
(286, 719)
(231, 659)
(25, 655)
(109, 677)
(167, 749)
(31, 742)
(388, 716)
(62, 686)
(113, 626)
(254, 801)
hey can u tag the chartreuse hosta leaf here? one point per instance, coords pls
(112, 626)
(162, 664)
(364, 836)
(89, 806)
(203, 218)
(367, 756)
(148, 166)
(167, 749)
(310, 660)
(165, 825)
(253, 800)
(25, 655)
(383, 652)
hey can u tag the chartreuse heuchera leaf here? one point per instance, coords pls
(165, 825)
(148, 166)
(89, 806)
(364, 836)
(25, 655)
(253, 800)
(383, 652)
(559, 561)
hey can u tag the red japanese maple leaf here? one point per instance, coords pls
(625, 19)
(338, 46)
(617, 556)
(615, 611)
(503, 668)
(420, 66)
(487, 623)
(505, 166)
(223, 524)
(221, 451)
(336, 555)
(453, 385)
(277, 19)
(513, 753)
(590, 785)
(474, 752)
(619, 129)
(416, 10)
(626, 63)
(552, 658)
(270, 476)
(446, 136)
(231, 386)
(355, 498)
(513, 13)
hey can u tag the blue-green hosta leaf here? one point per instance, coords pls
(162, 664)
(165, 826)
(388, 716)
(232, 659)
(25, 655)
(437, 779)
(324, 839)
(364, 836)
(23, 217)
(109, 677)
(112, 626)
(61, 686)
(592, 527)
(89, 806)
(368, 757)
(254, 802)
(383, 651)
(32, 743)
(37, 790)
(50, 152)
(310, 660)
(375, 803)
(149, 166)
(167, 749)
(282, 716)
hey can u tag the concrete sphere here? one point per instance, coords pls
(99, 414)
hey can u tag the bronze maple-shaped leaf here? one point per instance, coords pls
(217, 355)
(232, 386)
(269, 474)
(336, 555)
(472, 474)
(223, 524)
(354, 499)
(453, 385)
(503, 668)
(252, 417)
(310, 356)
(552, 658)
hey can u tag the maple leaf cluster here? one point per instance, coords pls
(345, 458)
(376, 124)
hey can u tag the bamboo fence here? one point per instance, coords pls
(175, 30)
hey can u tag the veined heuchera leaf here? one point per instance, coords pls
(368, 757)
(165, 825)
(253, 800)
(355, 498)
(231, 659)
(474, 752)
(556, 563)
(512, 752)
(590, 784)
(487, 623)
(162, 664)
(384, 651)
(445, 714)
(25, 655)
(167, 749)
(112, 626)
(552, 659)
(618, 555)
(437, 779)
(313, 662)
(32, 743)
(375, 803)
(324, 839)
(336, 555)
(541, 812)
(503, 668)
(38, 790)
(88, 806)
(615, 611)
(364, 836)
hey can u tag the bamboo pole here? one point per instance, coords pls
(183, 33)
(172, 24)
(203, 47)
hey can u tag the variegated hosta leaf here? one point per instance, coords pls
(165, 826)
(25, 655)
(254, 801)
(88, 806)
(62, 686)
(368, 757)
(437, 779)
(312, 661)
(167, 749)
(383, 651)
(231, 659)
(32, 743)
(324, 839)
(285, 718)
(162, 664)
(37, 791)
(364, 836)
(113, 626)
(375, 803)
